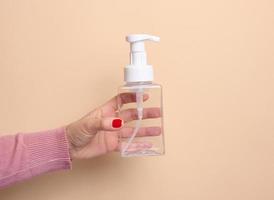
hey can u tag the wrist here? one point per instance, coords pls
(71, 146)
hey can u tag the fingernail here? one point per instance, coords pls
(116, 123)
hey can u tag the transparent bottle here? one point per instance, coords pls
(142, 136)
(143, 132)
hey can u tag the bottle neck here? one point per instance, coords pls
(139, 83)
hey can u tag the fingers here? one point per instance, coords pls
(106, 124)
(132, 114)
(144, 131)
(135, 147)
(121, 99)
(139, 146)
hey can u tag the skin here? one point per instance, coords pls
(93, 134)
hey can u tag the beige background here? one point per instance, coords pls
(59, 59)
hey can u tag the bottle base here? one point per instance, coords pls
(141, 153)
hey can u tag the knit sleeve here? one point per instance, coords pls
(25, 155)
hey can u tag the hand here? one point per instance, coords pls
(98, 132)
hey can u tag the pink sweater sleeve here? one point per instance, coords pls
(23, 156)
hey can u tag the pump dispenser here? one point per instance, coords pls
(138, 69)
(146, 136)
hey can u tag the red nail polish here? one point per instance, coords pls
(116, 123)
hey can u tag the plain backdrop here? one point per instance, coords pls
(61, 58)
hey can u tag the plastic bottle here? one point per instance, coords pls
(146, 136)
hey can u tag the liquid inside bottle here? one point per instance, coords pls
(143, 131)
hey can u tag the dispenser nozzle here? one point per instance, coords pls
(137, 47)
(142, 37)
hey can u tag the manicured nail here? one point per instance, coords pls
(116, 123)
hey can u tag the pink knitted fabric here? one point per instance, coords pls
(23, 156)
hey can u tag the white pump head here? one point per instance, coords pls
(138, 70)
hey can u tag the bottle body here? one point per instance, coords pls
(143, 132)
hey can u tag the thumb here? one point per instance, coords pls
(107, 124)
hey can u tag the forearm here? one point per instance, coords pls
(23, 156)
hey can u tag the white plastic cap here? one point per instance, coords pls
(138, 70)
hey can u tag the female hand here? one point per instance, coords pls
(98, 132)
